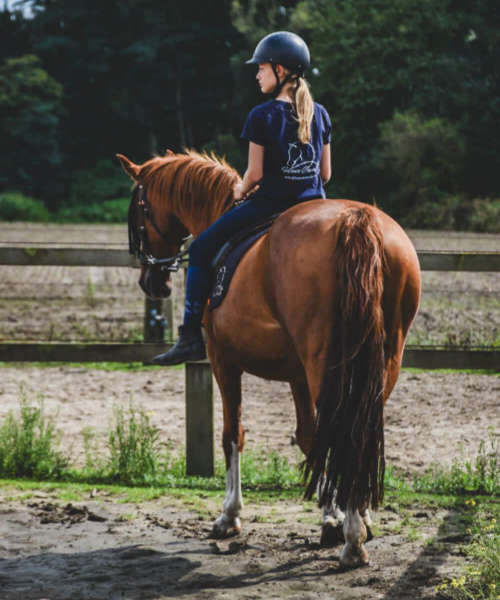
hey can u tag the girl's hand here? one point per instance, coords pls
(239, 195)
(238, 192)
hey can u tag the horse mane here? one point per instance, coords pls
(190, 183)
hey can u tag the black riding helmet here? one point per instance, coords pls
(282, 48)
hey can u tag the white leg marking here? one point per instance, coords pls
(229, 523)
(331, 526)
(367, 518)
(354, 554)
(333, 514)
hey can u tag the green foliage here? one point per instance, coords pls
(437, 214)
(79, 83)
(437, 59)
(100, 194)
(30, 109)
(104, 181)
(15, 206)
(261, 470)
(481, 578)
(422, 159)
(482, 476)
(27, 445)
(484, 215)
(108, 211)
(134, 449)
(228, 147)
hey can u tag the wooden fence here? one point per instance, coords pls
(199, 390)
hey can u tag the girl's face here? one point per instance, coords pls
(265, 77)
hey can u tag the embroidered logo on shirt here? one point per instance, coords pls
(302, 163)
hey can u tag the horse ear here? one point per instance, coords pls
(128, 166)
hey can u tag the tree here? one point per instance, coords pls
(438, 59)
(30, 110)
(138, 75)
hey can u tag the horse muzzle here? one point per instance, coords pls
(155, 283)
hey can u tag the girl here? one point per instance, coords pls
(288, 162)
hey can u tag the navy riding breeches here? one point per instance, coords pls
(204, 248)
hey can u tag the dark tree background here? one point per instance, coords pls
(413, 87)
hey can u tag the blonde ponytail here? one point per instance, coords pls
(304, 107)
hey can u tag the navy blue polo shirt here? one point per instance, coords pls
(291, 169)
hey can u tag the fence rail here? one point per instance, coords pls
(115, 257)
(422, 357)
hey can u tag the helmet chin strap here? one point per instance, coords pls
(279, 84)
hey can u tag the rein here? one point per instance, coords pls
(138, 239)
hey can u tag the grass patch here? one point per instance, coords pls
(27, 444)
(493, 372)
(28, 448)
(480, 476)
(135, 456)
(97, 366)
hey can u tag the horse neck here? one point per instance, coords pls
(204, 204)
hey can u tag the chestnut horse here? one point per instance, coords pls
(324, 301)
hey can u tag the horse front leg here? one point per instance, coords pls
(229, 381)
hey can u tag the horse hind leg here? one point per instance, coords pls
(332, 526)
(333, 517)
(354, 553)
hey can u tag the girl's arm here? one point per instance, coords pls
(253, 173)
(325, 167)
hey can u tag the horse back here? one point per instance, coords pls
(279, 306)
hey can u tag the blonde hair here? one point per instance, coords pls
(304, 107)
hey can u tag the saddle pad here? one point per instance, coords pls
(227, 259)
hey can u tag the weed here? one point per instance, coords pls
(413, 535)
(259, 470)
(481, 580)
(134, 448)
(27, 446)
(482, 476)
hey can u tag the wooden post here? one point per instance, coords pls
(199, 419)
(154, 325)
(168, 314)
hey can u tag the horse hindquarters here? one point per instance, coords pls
(349, 441)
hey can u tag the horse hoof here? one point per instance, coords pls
(332, 534)
(224, 527)
(352, 558)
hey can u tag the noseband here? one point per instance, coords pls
(138, 240)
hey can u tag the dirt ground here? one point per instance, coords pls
(101, 548)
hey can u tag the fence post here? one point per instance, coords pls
(154, 324)
(168, 313)
(199, 419)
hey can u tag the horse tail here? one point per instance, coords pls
(347, 455)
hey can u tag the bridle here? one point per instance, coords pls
(138, 240)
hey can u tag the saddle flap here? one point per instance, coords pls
(227, 259)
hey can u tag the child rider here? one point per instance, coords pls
(288, 162)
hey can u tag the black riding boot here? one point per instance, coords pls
(189, 346)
